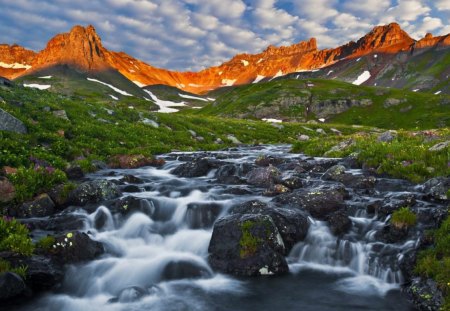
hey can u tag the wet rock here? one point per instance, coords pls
(276, 190)
(351, 161)
(339, 223)
(202, 215)
(440, 146)
(130, 294)
(247, 245)
(131, 179)
(425, 294)
(10, 123)
(269, 160)
(41, 206)
(263, 176)
(99, 165)
(93, 192)
(387, 136)
(196, 168)
(303, 137)
(184, 269)
(126, 161)
(7, 190)
(394, 202)
(76, 247)
(333, 172)
(319, 202)
(11, 286)
(131, 189)
(74, 172)
(59, 196)
(229, 174)
(237, 191)
(437, 188)
(129, 205)
(234, 140)
(293, 182)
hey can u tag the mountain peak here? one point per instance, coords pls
(301, 47)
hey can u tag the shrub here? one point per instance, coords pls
(14, 237)
(5, 266)
(403, 218)
(46, 243)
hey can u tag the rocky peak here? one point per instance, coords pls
(301, 47)
(81, 47)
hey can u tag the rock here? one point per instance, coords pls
(269, 160)
(131, 189)
(247, 245)
(131, 179)
(321, 131)
(94, 192)
(150, 122)
(234, 140)
(184, 269)
(343, 145)
(7, 190)
(336, 131)
(392, 102)
(61, 114)
(303, 137)
(339, 223)
(276, 190)
(5, 82)
(11, 286)
(229, 174)
(59, 196)
(10, 123)
(333, 172)
(196, 168)
(319, 202)
(387, 136)
(130, 294)
(99, 165)
(74, 171)
(75, 247)
(441, 146)
(425, 294)
(392, 203)
(263, 176)
(126, 161)
(8, 170)
(293, 182)
(218, 141)
(437, 188)
(41, 206)
(202, 215)
(193, 134)
(131, 204)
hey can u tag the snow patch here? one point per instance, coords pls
(362, 78)
(358, 59)
(415, 90)
(260, 60)
(46, 77)
(211, 99)
(192, 97)
(272, 120)
(195, 85)
(139, 83)
(321, 120)
(228, 82)
(438, 92)
(265, 271)
(278, 74)
(110, 86)
(164, 105)
(244, 62)
(15, 66)
(375, 56)
(38, 86)
(113, 97)
(196, 107)
(258, 78)
(330, 72)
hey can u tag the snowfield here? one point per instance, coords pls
(38, 86)
(164, 105)
(362, 78)
(110, 86)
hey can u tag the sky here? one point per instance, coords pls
(194, 34)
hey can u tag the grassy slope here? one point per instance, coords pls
(423, 110)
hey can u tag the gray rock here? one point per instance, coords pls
(41, 206)
(436, 188)
(150, 122)
(11, 286)
(303, 137)
(440, 146)
(336, 131)
(387, 136)
(333, 172)
(11, 124)
(307, 128)
(193, 133)
(341, 146)
(233, 139)
(263, 176)
(94, 192)
(425, 294)
(61, 114)
(392, 102)
(321, 131)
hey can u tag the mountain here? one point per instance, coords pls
(82, 50)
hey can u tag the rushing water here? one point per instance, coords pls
(326, 272)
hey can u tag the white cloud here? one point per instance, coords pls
(442, 5)
(406, 10)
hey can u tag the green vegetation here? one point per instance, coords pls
(248, 243)
(407, 156)
(5, 266)
(46, 243)
(14, 237)
(289, 99)
(434, 262)
(403, 218)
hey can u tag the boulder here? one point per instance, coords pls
(184, 269)
(10, 123)
(41, 206)
(263, 176)
(130, 179)
(319, 202)
(339, 223)
(229, 174)
(130, 294)
(74, 171)
(440, 146)
(233, 139)
(303, 137)
(247, 245)
(7, 190)
(437, 188)
(269, 160)
(425, 294)
(126, 161)
(61, 114)
(387, 136)
(333, 172)
(94, 192)
(76, 247)
(59, 196)
(129, 205)
(11, 286)
(196, 168)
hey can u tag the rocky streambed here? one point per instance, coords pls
(249, 228)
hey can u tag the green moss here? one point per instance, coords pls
(248, 244)
(434, 262)
(403, 218)
(46, 243)
(14, 237)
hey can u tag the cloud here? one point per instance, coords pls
(194, 34)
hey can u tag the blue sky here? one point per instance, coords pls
(193, 34)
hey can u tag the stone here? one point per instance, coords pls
(41, 206)
(196, 168)
(7, 190)
(333, 172)
(233, 139)
(303, 137)
(321, 131)
(74, 247)
(10, 123)
(343, 145)
(247, 245)
(94, 192)
(184, 269)
(389, 102)
(387, 136)
(263, 176)
(339, 223)
(61, 114)
(425, 294)
(74, 171)
(437, 188)
(440, 146)
(202, 215)
(11, 286)
(126, 161)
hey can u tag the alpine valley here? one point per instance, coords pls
(293, 179)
